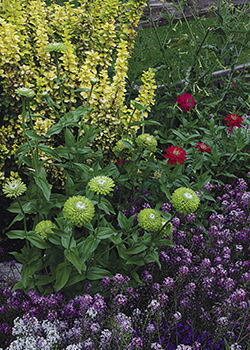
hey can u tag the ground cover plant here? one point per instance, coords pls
(143, 247)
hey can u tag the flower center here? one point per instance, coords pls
(80, 205)
(13, 186)
(176, 152)
(203, 146)
(148, 138)
(101, 181)
(152, 216)
(188, 195)
(234, 117)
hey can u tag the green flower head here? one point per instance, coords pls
(147, 141)
(123, 149)
(79, 210)
(185, 200)
(45, 228)
(150, 220)
(101, 184)
(14, 188)
(55, 47)
(167, 229)
(25, 92)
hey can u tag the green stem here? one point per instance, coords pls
(24, 129)
(59, 81)
(143, 126)
(24, 217)
(86, 105)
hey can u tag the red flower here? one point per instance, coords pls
(175, 154)
(233, 120)
(202, 147)
(120, 161)
(186, 102)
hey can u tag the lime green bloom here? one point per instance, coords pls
(185, 200)
(79, 210)
(147, 141)
(150, 220)
(25, 92)
(167, 229)
(45, 228)
(101, 184)
(14, 188)
(55, 47)
(122, 150)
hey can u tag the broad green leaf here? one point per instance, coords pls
(63, 271)
(96, 273)
(43, 184)
(105, 232)
(69, 138)
(87, 247)
(123, 221)
(16, 234)
(49, 151)
(33, 136)
(135, 260)
(136, 277)
(29, 269)
(137, 248)
(72, 255)
(37, 240)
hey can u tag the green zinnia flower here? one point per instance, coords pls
(25, 92)
(185, 200)
(150, 220)
(55, 47)
(167, 229)
(101, 184)
(14, 188)
(45, 228)
(121, 149)
(147, 141)
(79, 210)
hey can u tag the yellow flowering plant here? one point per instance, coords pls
(97, 39)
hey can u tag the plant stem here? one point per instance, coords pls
(24, 217)
(59, 81)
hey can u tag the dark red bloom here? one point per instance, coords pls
(186, 102)
(120, 161)
(202, 147)
(233, 120)
(175, 154)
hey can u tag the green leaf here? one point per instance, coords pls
(139, 106)
(69, 138)
(146, 122)
(123, 221)
(137, 248)
(136, 277)
(87, 247)
(29, 269)
(135, 260)
(37, 240)
(63, 271)
(96, 273)
(72, 255)
(49, 151)
(43, 184)
(16, 234)
(33, 136)
(42, 280)
(66, 240)
(105, 232)
(122, 251)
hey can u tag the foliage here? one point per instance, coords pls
(98, 37)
